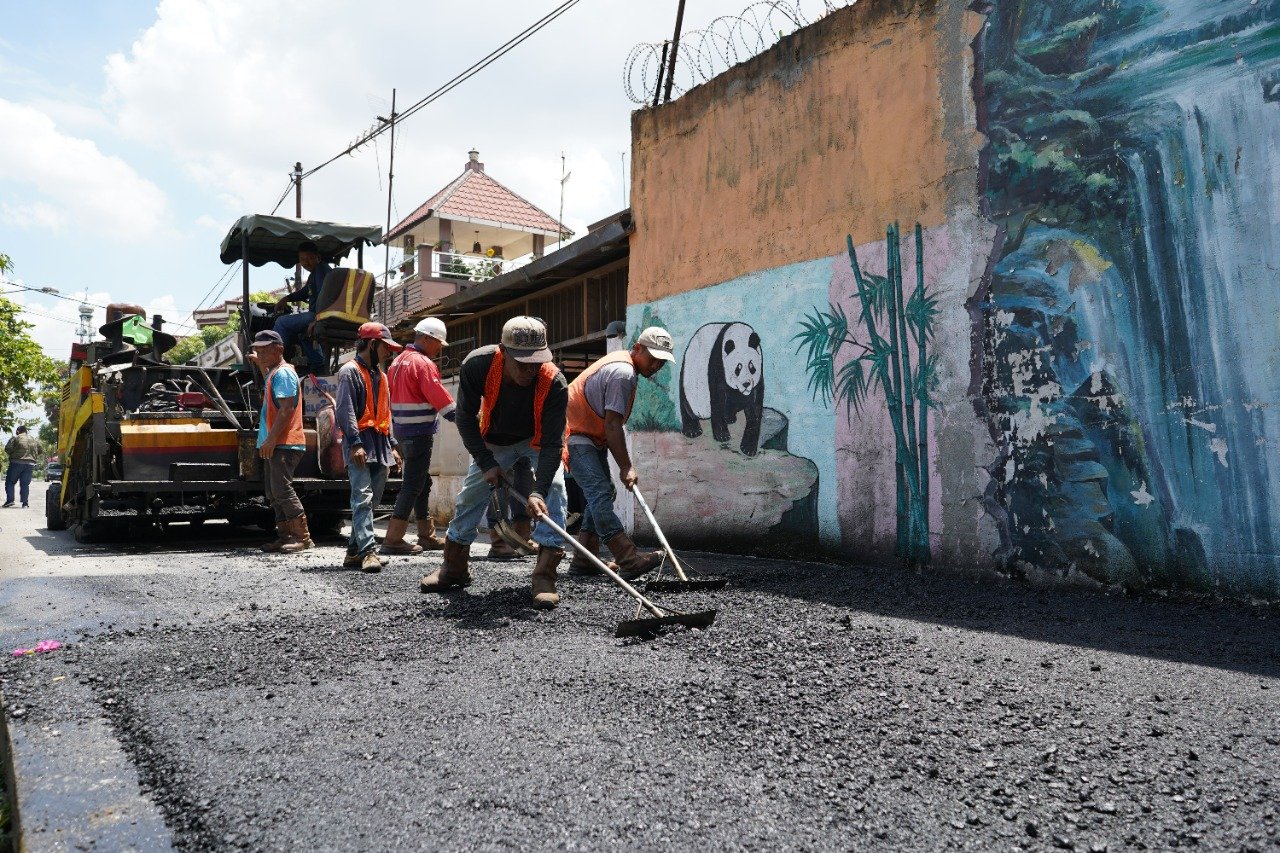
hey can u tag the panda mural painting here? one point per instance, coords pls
(721, 374)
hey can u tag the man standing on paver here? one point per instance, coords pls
(364, 416)
(511, 405)
(600, 402)
(296, 328)
(23, 450)
(281, 443)
(418, 399)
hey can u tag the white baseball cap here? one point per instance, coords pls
(658, 342)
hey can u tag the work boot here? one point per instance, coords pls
(524, 529)
(498, 547)
(427, 538)
(580, 565)
(273, 547)
(301, 536)
(453, 571)
(370, 563)
(352, 561)
(632, 564)
(394, 542)
(544, 578)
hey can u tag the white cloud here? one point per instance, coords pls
(73, 180)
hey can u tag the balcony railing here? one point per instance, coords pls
(465, 269)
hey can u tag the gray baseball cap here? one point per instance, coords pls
(525, 339)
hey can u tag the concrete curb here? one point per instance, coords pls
(72, 785)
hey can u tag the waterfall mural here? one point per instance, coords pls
(1127, 333)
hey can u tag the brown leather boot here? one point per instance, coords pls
(394, 542)
(544, 578)
(453, 571)
(580, 565)
(632, 564)
(498, 547)
(524, 529)
(273, 547)
(301, 536)
(427, 538)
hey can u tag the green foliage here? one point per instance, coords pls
(654, 410)
(26, 373)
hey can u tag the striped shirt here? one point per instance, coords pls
(418, 398)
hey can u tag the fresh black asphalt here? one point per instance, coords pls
(282, 703)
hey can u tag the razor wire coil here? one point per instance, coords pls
(726, 41)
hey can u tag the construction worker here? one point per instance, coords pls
(600, 402)
(511, 405)
(363, 413)
(281, 443)
(418, 399)
(296, 328)
(23, 451)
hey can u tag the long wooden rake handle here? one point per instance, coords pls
(600, 564)
(662, 538)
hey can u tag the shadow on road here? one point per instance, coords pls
(1221, 634)
(494, 609)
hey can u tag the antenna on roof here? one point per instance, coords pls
(564, 179)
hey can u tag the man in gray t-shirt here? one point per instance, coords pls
(600, 401)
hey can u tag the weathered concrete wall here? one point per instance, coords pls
(744, 191)
(1095, 399)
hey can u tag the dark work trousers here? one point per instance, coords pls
(415, 484)
(277, 483)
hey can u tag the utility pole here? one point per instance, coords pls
(675, 50)
(297, 212)
(391, 176)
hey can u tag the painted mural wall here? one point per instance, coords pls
(1072, 371)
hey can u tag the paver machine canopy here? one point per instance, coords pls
(258, 239)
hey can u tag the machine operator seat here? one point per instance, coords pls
(346, 300)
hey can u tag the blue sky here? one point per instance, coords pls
(132, 134)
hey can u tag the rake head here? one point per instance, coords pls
(649, 628)
(690, 585)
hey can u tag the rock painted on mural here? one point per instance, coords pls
(1123, 334)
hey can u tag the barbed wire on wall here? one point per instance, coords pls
(717, 47)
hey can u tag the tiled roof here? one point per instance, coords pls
(475, 195)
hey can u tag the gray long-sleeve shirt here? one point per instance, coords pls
(512, 417)
(350, 406)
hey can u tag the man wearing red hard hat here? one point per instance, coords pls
(364, 416)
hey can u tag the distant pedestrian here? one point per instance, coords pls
(511, 405)
(281, 443)
(600, 402)
(418, 400)
(23, 450)
(364, 416)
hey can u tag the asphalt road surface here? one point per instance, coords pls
(283, 703)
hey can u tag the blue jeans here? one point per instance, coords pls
(473, 499)
(367, 484)
(590, 466)
(292, 329)
(18, 471)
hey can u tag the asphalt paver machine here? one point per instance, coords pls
(149, 443)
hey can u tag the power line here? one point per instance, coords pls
(51, 291)
(457, 80)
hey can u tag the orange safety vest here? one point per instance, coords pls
(294, 434)
(584, 420)
(493, 385)
(377, 413)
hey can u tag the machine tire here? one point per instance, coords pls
(53, 516)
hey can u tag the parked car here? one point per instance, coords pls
(53, 471)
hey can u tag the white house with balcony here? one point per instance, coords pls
(470, 231)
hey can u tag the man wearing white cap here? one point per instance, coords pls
(418, 400)
(511, 405)
(600, 402)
